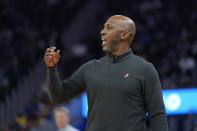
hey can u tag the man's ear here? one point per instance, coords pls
(124, 35)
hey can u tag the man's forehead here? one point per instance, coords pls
(60, 112)
(112, 22)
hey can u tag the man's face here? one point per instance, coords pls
(110, 35)
(61, 118)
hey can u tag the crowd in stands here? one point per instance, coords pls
(166, 36)
(26, 29)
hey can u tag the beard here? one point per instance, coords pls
(113, 45)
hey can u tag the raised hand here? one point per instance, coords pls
(51, 57)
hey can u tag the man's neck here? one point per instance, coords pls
(120, 50)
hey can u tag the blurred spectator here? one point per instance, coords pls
(187, 63)
(62, 119)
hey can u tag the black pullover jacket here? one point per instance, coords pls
(120, 90)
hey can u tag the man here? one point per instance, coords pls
(121, 87)
(62, 119)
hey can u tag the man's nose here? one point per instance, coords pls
(103, 32)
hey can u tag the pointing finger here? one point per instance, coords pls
(53, 47)
(57, 53)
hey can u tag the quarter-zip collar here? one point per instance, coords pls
(118, 58)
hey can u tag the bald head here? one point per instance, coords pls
(125, 24)
(117, 34)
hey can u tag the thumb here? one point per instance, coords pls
(57, 54)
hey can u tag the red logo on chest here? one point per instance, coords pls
(126, 74)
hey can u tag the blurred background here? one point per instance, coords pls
(166, 36)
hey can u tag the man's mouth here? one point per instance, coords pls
(104, 41)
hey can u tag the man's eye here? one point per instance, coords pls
(109, 27)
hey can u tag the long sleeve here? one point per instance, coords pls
(154, 100)
(61, 91)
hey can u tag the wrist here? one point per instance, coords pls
(52, 66)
